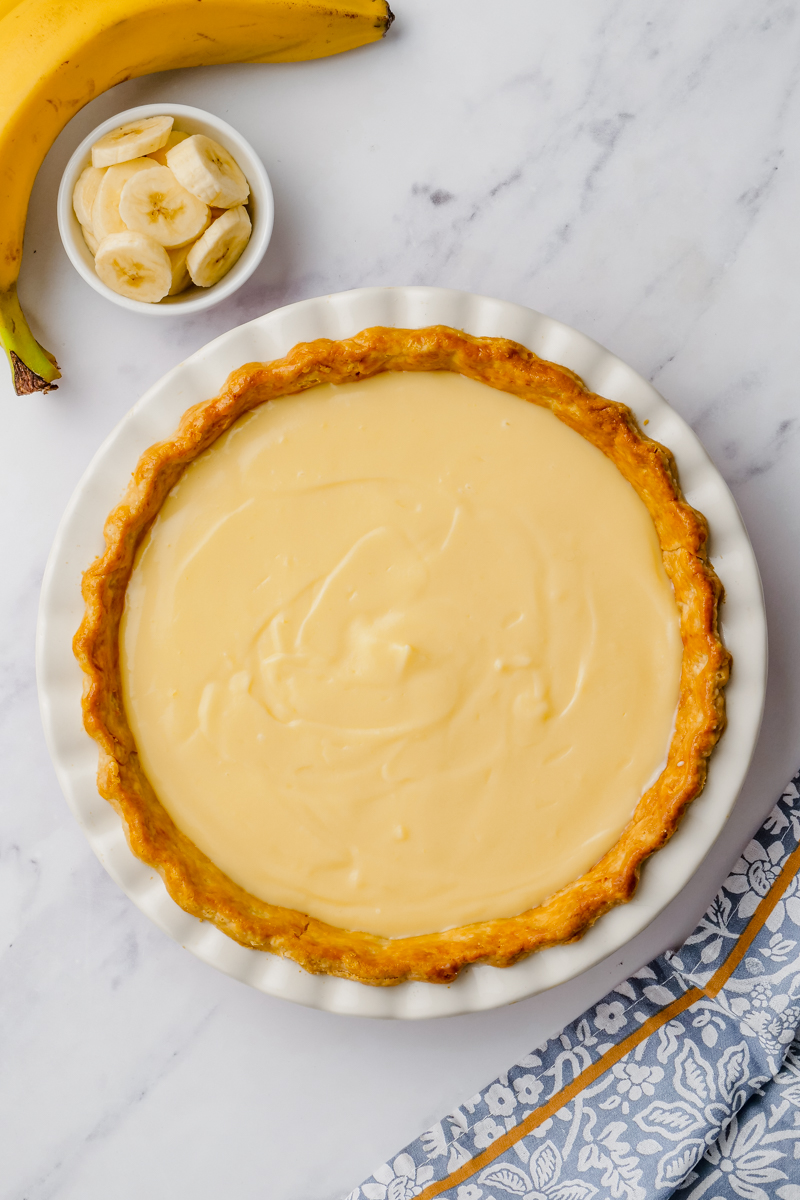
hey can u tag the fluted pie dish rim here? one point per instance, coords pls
(623, 932)
(192, 879)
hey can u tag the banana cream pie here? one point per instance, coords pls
(403, 655)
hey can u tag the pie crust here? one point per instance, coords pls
(191, 878)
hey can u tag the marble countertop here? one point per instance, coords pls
(631, 171)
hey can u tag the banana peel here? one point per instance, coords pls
(56, 57)
(33, 368)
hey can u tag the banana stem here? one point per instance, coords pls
(34, 368)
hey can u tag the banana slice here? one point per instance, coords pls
(213, 255)
(207, 170)
(90, 239)
(181, 279)
(105, 210)
(134, 265)
(176, 135)
(133, 140)
(84, 193)
(153, 202)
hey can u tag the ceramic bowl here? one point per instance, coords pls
(260, 207)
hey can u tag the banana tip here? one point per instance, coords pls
(26, 381)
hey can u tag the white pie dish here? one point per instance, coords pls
(261, 209)
(155, 416)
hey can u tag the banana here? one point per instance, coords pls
(213, 255)
(176, 135)
(133, 140)
(153, 202)
(89, 238)
(56, 57)
(105, 209)
(134, 265)
(84, 194)
(207, 170)
(181, 279)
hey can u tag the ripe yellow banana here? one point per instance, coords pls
(57, 55)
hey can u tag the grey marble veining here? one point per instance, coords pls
(631, 170)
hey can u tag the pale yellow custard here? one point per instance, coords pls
(401, 654)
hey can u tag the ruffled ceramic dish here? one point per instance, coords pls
(336, 317)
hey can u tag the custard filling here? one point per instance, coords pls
(401, 654)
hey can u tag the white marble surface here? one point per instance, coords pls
(632, 170)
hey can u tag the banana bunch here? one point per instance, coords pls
(57, 55)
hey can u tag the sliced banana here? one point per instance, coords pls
(213, 255)
(160, 156)
(105, 210)
(134, 265)
(90, 239)
(181, 279)
(84, 193)
(153, 202)
(133, 140)
(208, 171)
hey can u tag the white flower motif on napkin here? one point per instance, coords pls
(402, 1180)
(636, 1080)
(485, 1132)
(543, 1183)
(610, 1017)
(736, 1155)
(469, 1191)
(500, 1100)
(754, 874)
(528, 1089)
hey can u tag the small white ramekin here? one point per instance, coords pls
(260, 207)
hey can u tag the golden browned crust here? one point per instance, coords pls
(200, 887)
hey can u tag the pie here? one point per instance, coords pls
(403, 655)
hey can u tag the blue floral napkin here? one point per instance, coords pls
(684, 1080)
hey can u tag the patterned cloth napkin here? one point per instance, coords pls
(684, 1080)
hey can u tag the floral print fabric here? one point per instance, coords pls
(684, 1081)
